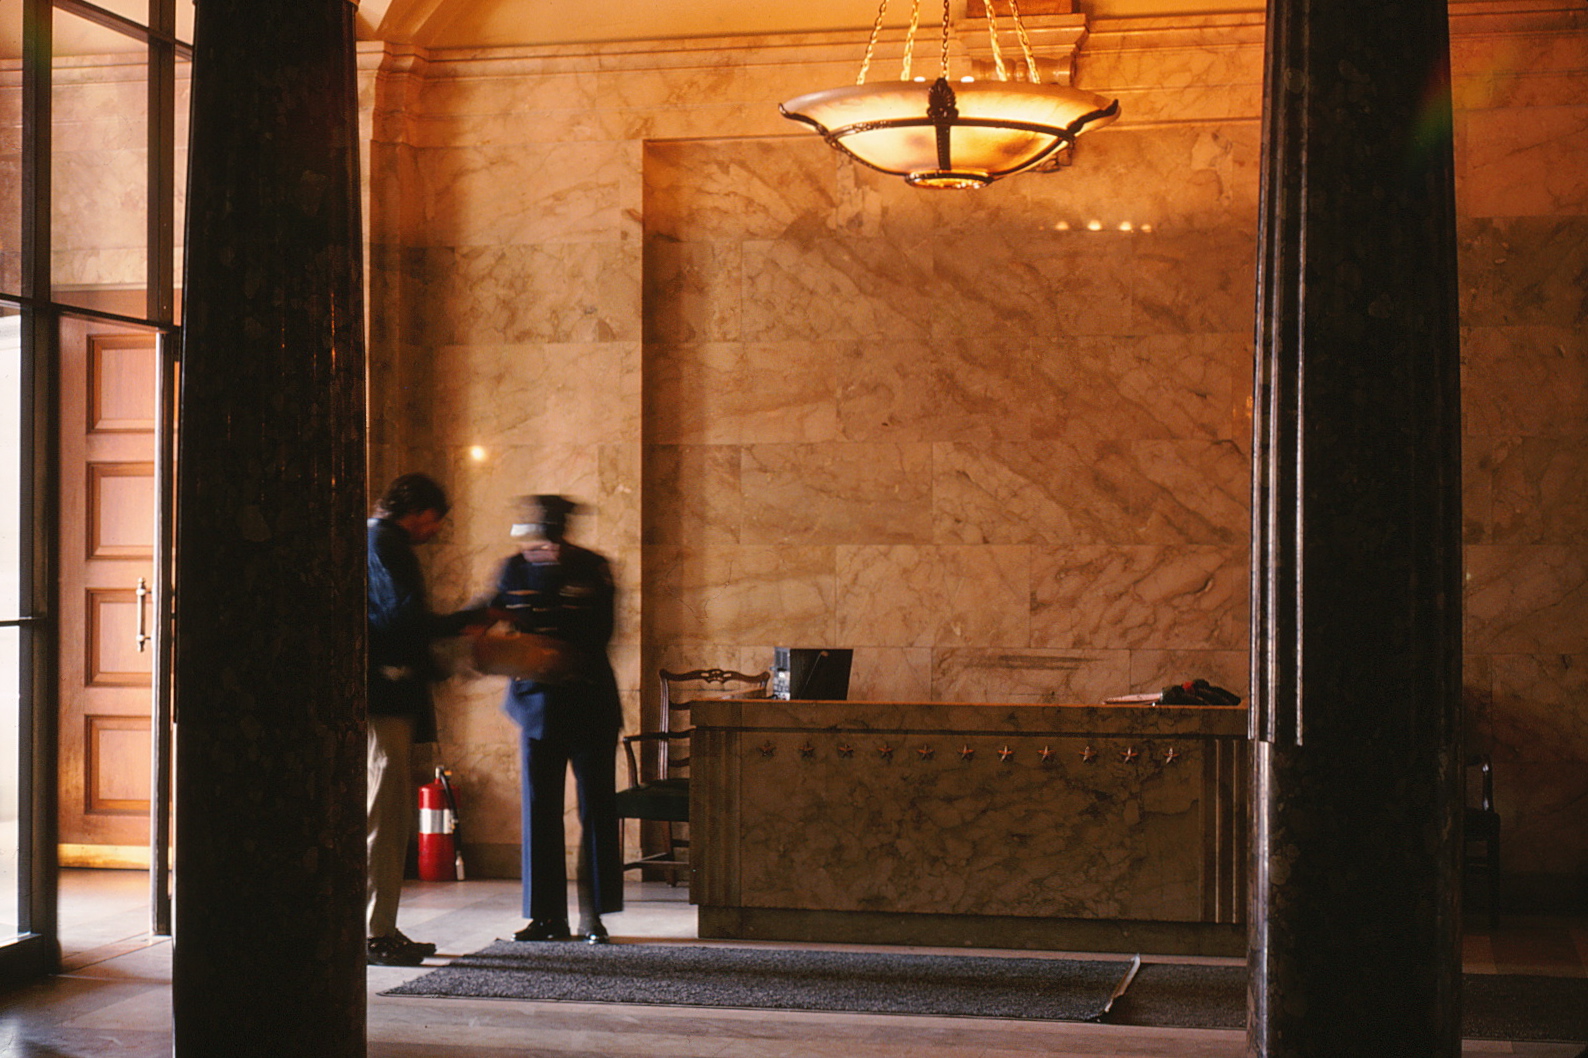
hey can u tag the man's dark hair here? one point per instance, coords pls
(411, 494)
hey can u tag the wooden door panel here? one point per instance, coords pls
(108, 504)
(121, 510)
(121, 384)
(113, 627)
(118, 764)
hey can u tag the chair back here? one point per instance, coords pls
(679, 689)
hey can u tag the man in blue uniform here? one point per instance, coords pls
(401, 669)
(557, 589)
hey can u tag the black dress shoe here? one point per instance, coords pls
(389, 951)
(544, 929)
(423, 947)
(596, 934)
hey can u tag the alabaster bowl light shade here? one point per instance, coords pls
(988, 130)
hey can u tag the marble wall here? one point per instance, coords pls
(996, 442)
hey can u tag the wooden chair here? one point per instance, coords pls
(664, 798)
(1481, 838)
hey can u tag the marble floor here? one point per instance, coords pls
(114, 998)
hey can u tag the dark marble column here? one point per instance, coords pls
(1356, 559)
(269, 948)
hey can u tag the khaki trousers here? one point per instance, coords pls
(391, 813)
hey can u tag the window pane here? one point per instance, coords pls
(99, 168)
(10, 786)
(131, 10)
(11, 462)
(184, 82)
(11, 146)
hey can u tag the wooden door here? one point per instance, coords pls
(109, 379)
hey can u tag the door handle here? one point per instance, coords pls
(143, 620)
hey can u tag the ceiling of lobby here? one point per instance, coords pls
(465, 23)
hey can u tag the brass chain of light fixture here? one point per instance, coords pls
(909, 40)
(992, 35)
(871, 45)
(942, 69)
(906, 67)
(1025, 41)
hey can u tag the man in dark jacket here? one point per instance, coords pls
(401, 669)
(557, 589)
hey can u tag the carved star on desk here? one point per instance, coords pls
(1130, 755)
(768, 749)
(1088, 755)
(885, 751)
(807, 751)
(1171, 756)
(966, 753)
(1006, 754)
(845, 749)
(926, 752)
(1046, 753)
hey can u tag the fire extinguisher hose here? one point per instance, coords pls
(445, 775)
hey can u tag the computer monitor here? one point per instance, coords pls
(812, 673)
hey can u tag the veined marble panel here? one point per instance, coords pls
(1153, 386)
(1141, 492)
(537, 393)
(953, 391)
(1016, 675)
(1524, 381)
(917, 596)
(1517, 69)
(845, 289)
(620, 465)
(564, 292)
(1184, 177)
(526, 195)
(723, 393)
(1527, 163)
(837, 493)
(777, 594)
(1523, 270)
(1526, 599)
(1477, 702)
(1190, 282)
(693, 291)
(730, 192)
(879, 674)
(1102, 597)
(1536, 712)
(1536, 488)
(1543, 806)
(994, 285)
(692, 495)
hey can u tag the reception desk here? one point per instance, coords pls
(1077, 828)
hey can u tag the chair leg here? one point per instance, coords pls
(672, 854)
(1494, 884)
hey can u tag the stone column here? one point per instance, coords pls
(269, 891)
(1356, 559)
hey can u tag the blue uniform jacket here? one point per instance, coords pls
(571, 600)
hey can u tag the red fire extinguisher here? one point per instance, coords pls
(440, 859)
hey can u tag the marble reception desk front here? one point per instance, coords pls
(1025, 826)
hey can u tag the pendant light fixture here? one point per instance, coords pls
(950, 135)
